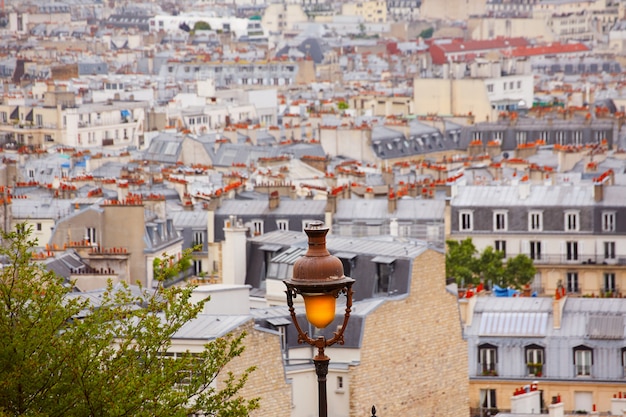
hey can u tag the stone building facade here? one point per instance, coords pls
(413, 357)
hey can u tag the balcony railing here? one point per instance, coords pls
(576, 260)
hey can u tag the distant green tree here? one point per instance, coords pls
(61, 355)
(461, 261)
(342, 105)
(490, 266)
(201, 25)
(467, 266)
(427, 33)
(520, 271)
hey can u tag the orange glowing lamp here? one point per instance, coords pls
(320, 309)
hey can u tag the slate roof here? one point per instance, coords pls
(376, 209)
(260, 208)
(165, 147)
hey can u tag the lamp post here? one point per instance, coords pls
(318, 278)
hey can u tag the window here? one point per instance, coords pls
(520, 138)
(560, 137)
(197, 266)
(198, 238)
(572, 282)
(534, 360)
(500, 246)
(535, 221)
(38, 227)
(282, 224)
(608, 221)
(339, 383)
(571, 250)
(499, 220)
(90, 235)
(578, 137)
(624, 360)
(465, 220)
(487, 359)
(384, 269)
(609, 250)
(571, 221)
(583, 359)
(535, 250)
(306, 223)
(490, 88)
(488, 401)
(257, 227)
(609, 282)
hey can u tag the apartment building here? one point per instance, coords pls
(573, 232)
(567, 348)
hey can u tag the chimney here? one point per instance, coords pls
(393, 227)
(607, 178)
(556, 409)
(526, 400)
(557, 306)
(524, 188)
(274, 200)
(392, 201)
(618, 404)
(234, 252)
(331, 202)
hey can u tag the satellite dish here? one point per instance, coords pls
(505, 155)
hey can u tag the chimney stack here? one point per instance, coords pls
(392, 201)
(274, 200)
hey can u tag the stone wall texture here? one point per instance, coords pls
(413, 358)
(268, 380)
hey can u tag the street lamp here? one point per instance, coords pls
(318, 278)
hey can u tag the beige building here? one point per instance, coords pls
(452, 9)
(120, 229)
(280, 17)
(485, 28)
(371, 11)
(58, 119)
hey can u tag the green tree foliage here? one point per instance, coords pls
(461, 261)
(427, 33)
(342, 105)
(61, 355)
(201, 25)
(467, 266)
(520, 271)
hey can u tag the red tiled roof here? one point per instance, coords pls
(549, 49)
(458, 45)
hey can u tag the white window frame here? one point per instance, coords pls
(500, 221)
(572, 282)
(488, 359)
(466, 220)
(198, 237)
(535, 250)
(500, 245)
(608, 221)
(608, 279)
(535, 221)
(572, 250)
(257, 227)
(306, 223)
(571, 221)
(583, 360)
(91, 234)
(609, 249)
(282, 224)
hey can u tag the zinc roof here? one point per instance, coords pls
(406, 208)
(509, 195)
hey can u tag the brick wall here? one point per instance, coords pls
(268, 380)
(413, 358)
